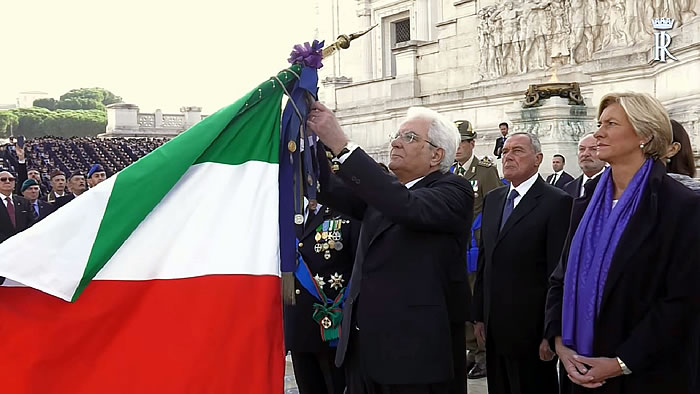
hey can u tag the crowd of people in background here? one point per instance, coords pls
(41, 175)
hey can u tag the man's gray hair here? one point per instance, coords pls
(441, 132)
(534, 141)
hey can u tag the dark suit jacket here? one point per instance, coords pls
(409, 281)
(301, 332)
(515, 264)
(574, 187)
(651, 300)
(63, 200)
(23, 218)
(563, 179)
(500, 141)
(45, 209)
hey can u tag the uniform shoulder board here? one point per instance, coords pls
(485, 162)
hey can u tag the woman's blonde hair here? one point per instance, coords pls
(648, 118)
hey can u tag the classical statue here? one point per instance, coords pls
(582, 14)
(560, 29)
(512, 54)
(536, 28)
(617, 31)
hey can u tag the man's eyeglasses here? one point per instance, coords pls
(409, 137)
(7, 179)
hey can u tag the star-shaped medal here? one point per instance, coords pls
(337, 281)
(319, 280)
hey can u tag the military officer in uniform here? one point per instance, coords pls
(326, 245)
(483, 176)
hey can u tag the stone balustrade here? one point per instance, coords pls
(125, 120)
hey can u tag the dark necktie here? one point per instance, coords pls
(554, 179)
(583, 190)
(11, 211)
(36, 210)
(508, 208)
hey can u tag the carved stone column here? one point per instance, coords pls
(365, 15)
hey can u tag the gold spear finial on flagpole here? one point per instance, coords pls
(343, 42)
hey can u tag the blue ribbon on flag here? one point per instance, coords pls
(299, 169)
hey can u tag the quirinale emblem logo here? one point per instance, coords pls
(662, 39)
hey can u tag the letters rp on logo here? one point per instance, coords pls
(662, 39)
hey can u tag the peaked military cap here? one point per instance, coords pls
(466, 132)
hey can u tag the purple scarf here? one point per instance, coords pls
(592, 250)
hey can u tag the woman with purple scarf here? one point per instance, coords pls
(623, 304)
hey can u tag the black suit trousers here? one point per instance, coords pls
(316, 373)
(518, 374)
(359, 381)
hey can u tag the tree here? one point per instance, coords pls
(85, 95)
(79, 103)
(37, 122)
(48, 103)
(8, 119)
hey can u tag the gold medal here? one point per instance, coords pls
(331, 244)
(317, 237)
(292, 146)
(324, 235)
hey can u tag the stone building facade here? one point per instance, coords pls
(475, 59)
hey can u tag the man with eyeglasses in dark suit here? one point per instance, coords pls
(15, 212)
(405, 313)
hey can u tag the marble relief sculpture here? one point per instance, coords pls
(518, 36)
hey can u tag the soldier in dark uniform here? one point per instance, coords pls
(327, 243)
(483, 176)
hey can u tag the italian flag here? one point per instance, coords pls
(164, 278)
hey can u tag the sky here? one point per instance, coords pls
(152, 53)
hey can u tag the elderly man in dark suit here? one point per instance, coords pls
(522, 236)
(589, 163)
(31, 191)
(15, 212)
(403, 328)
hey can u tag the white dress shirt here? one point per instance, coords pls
(555, 178)
(413, 182)
(4, 199)
(523, 188)
(585, 179)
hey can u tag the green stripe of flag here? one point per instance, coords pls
(247, 130)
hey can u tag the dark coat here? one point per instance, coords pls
(63, 200)
(23, 218)
(574, 187)
(45, 209)
(515, 264)
(651, 301)
(564, 178)
(301, 332)
(498, 148)
(409, 280)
